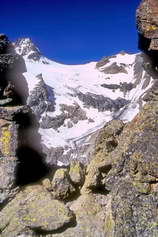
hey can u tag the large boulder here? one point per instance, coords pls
(34, 211)
(61, 185)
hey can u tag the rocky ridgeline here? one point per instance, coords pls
(27, 48)
(29, 51)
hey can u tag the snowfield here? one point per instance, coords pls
(79, 85)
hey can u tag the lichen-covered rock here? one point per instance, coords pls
(42, 213)
(33, 208)
(147, 21)
(132, 179)
(90, 211)
(118, 196)
(8, 145)
(147, 24)
(100, 165)
(77, 173)
(10, 113)
(61, 185)
(11, 110)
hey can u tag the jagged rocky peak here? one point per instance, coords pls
(26, 48)
(115, 64)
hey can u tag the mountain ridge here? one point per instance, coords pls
(74, 101)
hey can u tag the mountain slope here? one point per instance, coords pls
(73, 101)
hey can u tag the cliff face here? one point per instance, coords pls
(10, 64)
(114, 195)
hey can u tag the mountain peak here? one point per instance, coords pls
(26, 48)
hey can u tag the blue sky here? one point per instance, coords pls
(72, 31)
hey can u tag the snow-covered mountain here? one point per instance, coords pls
(72, 102)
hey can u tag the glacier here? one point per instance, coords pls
(72, 102)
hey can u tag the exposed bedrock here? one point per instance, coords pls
(27, 48)
(101, 102)
(39, 99)
(147, 25)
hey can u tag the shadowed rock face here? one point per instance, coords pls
(38, 100)
(19, 140)
(147, 25)
(147, 19)
(12, 65)
(11, 68)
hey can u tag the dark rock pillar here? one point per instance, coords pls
(8, 148)
(11, 68)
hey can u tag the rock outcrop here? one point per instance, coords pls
(147, 24)
(11, 67)
(39, 100)
(16, 119)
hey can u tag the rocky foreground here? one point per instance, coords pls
(114, 195)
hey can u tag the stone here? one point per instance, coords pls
(90, 211)
(147, 25)
(77, 173)
(101, 164)
(44, 214)
(8, 146)
(15, 121)
(39, 98)
(47, 184)
(69, 113)
(118, 196)
(12, 63)
(34, 209)
(101, 102)
(104, 61)
(133, 177)
(10, 113)
(147, 19)
(62, 187)
(114, 68)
